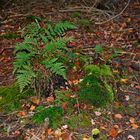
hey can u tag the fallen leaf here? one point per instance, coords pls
(124, 81)
(118, 116)
(127, 98)
(113, 133)
(49, 131)
(64, 127)
(137, 87)
(116, 126)
(65, 136)
(64, 105)
(35, 100)
(76, 105)
(68, 95)
(72, 44)
(132, 120)
(97, 113)
(134, 126)
(50, 99)
(102, 127)
(85, 138)
(21, 113)
(57, 133)
(92, 122)
(130, 137)
(32, 107)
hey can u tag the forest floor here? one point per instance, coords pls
(121, 119)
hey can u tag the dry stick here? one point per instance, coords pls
(115, 15)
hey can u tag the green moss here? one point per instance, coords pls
(81, 120)
(54, 114)
(76, 15)
(10, 97)
(95, 88)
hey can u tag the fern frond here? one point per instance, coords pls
(22, 59)
(55, 67)
(61, 27)
(28, 45)
(30, 30)
(24, 77)
(59, 43)
(43, 38)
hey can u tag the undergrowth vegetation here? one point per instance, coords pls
(43, 55)
(95, 88)
(38, 57)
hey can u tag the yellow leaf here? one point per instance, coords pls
(57, 133)
(49, 131)
(134, 126)
(124, 81)
(35, 100)
(85, 138)
(32, 107)
(132, 120)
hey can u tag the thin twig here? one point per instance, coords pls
(115, 15)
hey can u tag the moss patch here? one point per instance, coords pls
(10, 97)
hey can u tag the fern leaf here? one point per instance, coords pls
(61, 27)
(55, 67)
(22, 59)
(57, 44)
(24, 77)
(30, 30)
(43, 38)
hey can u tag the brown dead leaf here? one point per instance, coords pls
(64, 105)
(113, 133)
(35, 100)
(21, 113)
(76, 105)
(118, 116)
(68, 95)
(137, 87)
(49, 131)
(134, 126)
(132, 120)
(50, 99)
(65, 136)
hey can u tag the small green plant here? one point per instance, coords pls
(95, 88)
(54, 114)
(38, 57)
(76, 15)
(85, 22)
(81, 120)
(10, 97)
(64, 96)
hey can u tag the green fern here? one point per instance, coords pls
(39, 52)
(61, 27)
(30, 30)
(55, 67)
(24, 77)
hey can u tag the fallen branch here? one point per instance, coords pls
(115, 15)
